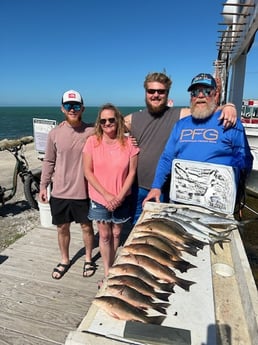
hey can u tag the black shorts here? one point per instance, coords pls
(69, 210)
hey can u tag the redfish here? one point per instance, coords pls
(157, 254)
(139, 285)
(155, 268)
(122, 310)
(171, 230)
(138, 271)
(135, 298)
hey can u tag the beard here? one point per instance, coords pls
(74, 121)
(203, 113)
(153, 109)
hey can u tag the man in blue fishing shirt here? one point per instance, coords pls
(199, 137)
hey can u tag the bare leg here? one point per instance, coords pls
(105, 238)
(116, 232)
(89, 267)
(63, 236)
(88, 239)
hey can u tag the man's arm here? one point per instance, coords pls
(128, 121)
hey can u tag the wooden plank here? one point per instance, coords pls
(37, 313)
(34, 328)
(9, 337)
(34, 308)
(44, 294)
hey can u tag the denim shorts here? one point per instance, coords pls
(100, 213)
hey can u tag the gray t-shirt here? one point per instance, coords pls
(152, 134)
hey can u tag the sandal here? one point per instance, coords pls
(60, 272)
(89, 269)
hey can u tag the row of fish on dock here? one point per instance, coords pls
(145, 272)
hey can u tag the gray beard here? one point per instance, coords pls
(203, 114)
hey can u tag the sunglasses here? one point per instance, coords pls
(206, 91)
(159, 91)
(110, 120)
(75, 107)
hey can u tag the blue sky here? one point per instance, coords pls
(104, 49)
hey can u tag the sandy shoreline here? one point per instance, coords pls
(16, 217)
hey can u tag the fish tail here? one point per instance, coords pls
(162, 296)
(184, 284)
(161, 307)
(190, 250)
(167, 287)
(197, 243)
(226, 233)
(182, 265)
(242, 223)
(156, 320)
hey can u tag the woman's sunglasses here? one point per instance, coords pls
(110, 120)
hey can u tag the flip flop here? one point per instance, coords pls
(60, 272)
(89, 269)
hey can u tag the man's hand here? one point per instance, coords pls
(154, 194)
(43, 196)
(228, 115)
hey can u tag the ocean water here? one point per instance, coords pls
(16, 122)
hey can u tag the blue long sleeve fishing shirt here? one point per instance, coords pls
(205, 141)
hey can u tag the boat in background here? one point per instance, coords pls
(249, 118)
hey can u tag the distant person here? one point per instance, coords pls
(200, 138)
(63, 167)
(110, 161)
(151, 127)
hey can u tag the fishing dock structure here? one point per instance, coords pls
(234, 319)
(36, 309)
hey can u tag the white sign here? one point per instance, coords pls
(203, 184)
(41, 128)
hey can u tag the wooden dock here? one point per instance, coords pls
(36, 309)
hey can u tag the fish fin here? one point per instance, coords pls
(167, 287)
(182, 265)
(190, 250)
(162, 296)
(156, 320)
(184, 284)
(196, 243)
(212, 246)
(161, 307)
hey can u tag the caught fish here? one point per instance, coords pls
(196, 227)
(178, 247)
(211, 219)
(139, 285)
(135, 298)
(155, 268)
(171, 230)
(159, 242)
(122, 310)
(138, 271)
(198, 230)
(157, 254)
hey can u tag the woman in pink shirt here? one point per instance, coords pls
(110, 162)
